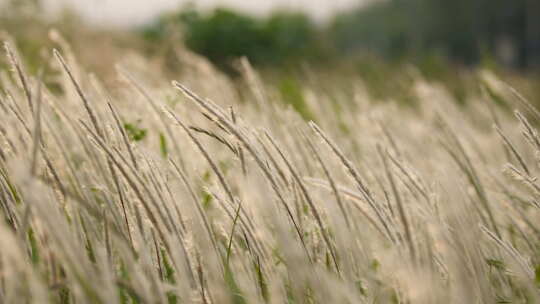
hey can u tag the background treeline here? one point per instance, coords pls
(464, 31)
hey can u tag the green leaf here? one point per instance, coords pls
(163, 145)
(207, 200)
(134, 132)
(33, 246)
(497, 264)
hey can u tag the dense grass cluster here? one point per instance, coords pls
(141, 191)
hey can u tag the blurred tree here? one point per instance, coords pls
(224, 35)
(292, 35)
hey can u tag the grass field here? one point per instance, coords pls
(137, 189)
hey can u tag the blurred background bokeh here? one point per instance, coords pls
(382, 40)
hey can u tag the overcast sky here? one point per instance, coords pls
(129, 12)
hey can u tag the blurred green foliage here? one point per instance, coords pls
(135, 132)
(291, 93)
(224, 35)
(15, 15)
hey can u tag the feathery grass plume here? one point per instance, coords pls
(399, 202)
(366, 193)
(460, 156)
(512, 148)
(217, 171)
(16, 65)
(221, 118)
(308, 198)
(330, 179)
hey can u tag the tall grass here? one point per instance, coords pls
(155, 194)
